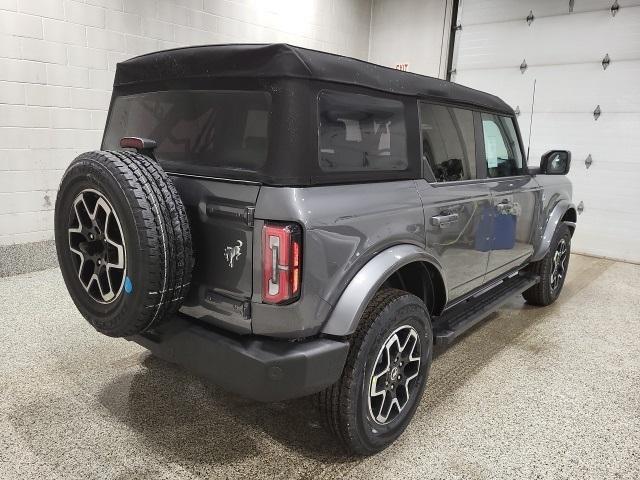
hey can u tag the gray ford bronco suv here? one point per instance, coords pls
(287, 222)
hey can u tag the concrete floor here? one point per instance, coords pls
(530, 393)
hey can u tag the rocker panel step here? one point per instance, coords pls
(460, 318)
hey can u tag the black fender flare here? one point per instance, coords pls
(347, 312)
(554, 218)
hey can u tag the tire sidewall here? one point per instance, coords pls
(88, 173)
(405, 310)
(562, 232)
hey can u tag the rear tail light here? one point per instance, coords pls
(281, 262)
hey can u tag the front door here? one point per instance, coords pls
(515, 195)
(457, 205)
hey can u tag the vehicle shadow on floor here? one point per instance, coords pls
(193, 421)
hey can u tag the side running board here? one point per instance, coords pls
(461, 317)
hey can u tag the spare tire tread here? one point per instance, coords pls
(173, 228)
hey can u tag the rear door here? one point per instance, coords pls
(515, 195)
(456, 203)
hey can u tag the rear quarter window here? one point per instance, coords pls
(221, 129)
(361, 133)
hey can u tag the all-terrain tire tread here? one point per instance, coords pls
(334, 402)
(540, 294)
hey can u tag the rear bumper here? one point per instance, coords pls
(255, 367)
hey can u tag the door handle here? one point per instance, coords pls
(444, 220)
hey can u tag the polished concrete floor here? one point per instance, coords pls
(530, 393)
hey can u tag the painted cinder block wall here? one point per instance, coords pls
(57, 61)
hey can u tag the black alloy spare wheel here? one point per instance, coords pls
(95, 236)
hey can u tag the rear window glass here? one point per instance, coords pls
(225, 129)
(361, 133)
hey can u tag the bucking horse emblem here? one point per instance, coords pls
(233, 253)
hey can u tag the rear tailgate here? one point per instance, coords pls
(221, 220)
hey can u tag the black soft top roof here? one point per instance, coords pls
(287, 61)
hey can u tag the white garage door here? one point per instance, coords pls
(499, 50)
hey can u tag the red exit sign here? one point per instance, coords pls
(402, 66)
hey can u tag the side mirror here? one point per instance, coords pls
(555, 162)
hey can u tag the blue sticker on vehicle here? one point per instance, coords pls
(128, 286)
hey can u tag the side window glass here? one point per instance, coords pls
(501, 147)
(360, 133)
(448, 142)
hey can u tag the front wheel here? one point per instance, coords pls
(552, 269)
(385, 374)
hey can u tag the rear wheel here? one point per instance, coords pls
(552, 269)
(385, 374)
(123, 241)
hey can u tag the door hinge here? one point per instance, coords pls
(523, 66)
(246, 310)
(530, 18)
(249, 215)
(588, 161)
(614, 8)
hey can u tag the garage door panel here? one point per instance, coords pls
(602, 191)
(582, 6)
(484, 46)
(508, 83)
(491, 11)
(605, 233)
(613, 138)
(592, 239)
(564, 54)
(607, 180)
(588, 83)
(551, 40)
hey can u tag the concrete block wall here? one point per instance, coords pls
(57, 61)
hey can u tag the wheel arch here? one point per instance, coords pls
(402, 264)
(422, 279)
(564, 211)
(570, 217)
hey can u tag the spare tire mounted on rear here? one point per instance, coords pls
(123, 241)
